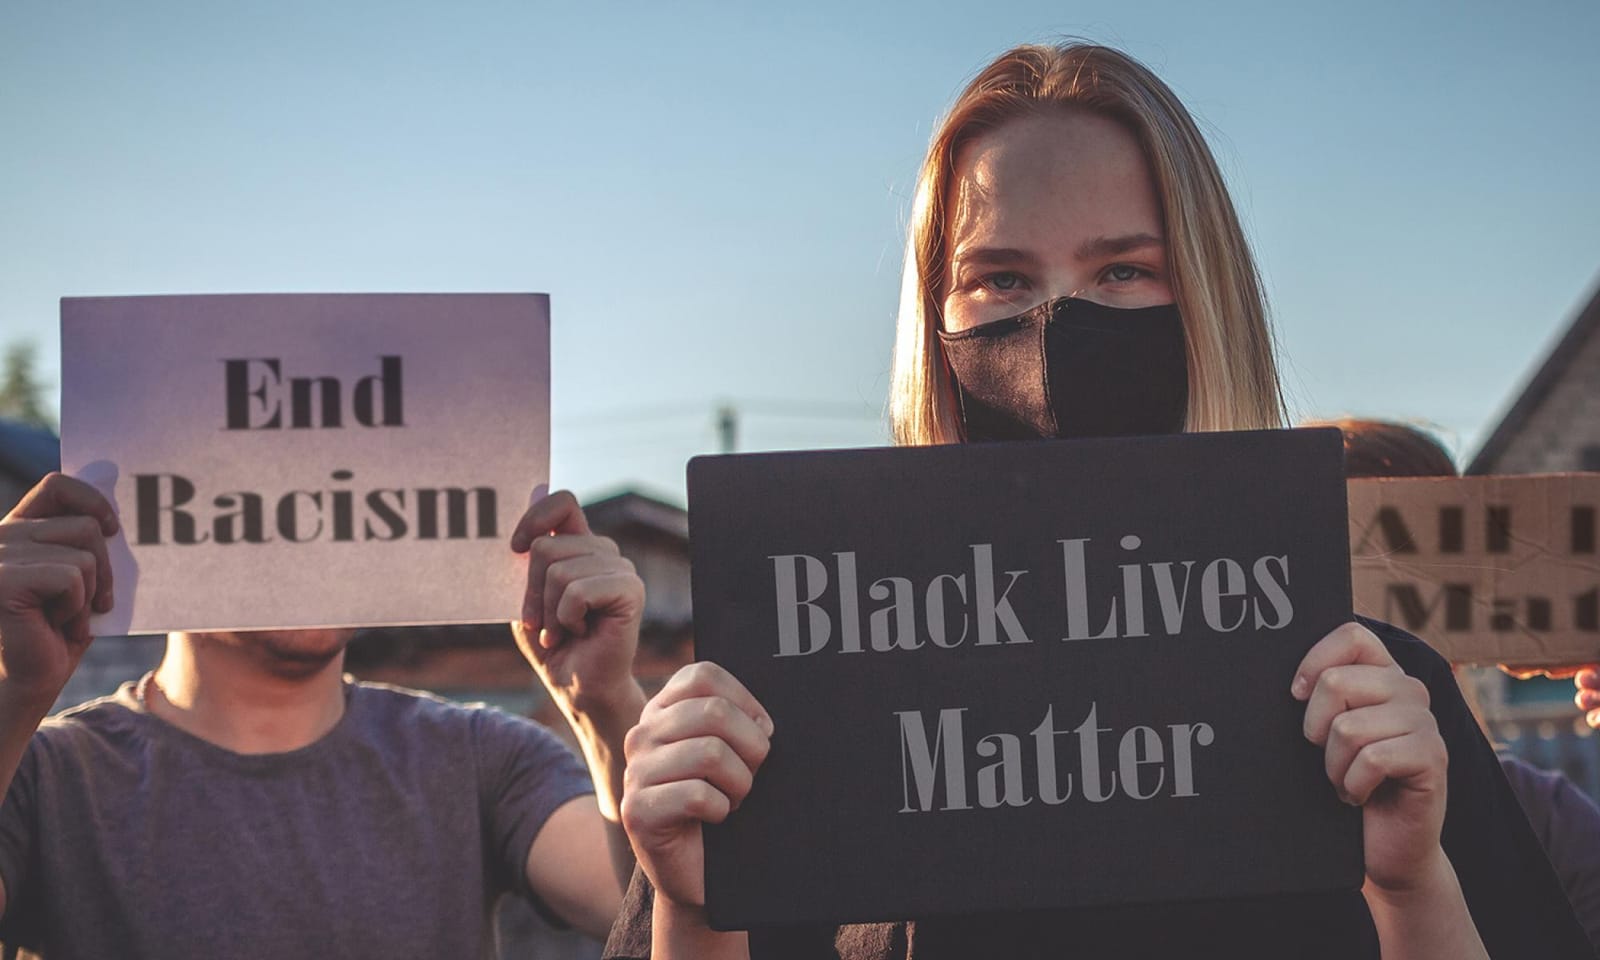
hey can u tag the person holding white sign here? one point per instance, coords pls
(245, 800)
(1076, 268)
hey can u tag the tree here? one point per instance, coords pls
(22, 395)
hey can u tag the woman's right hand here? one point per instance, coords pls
(691, 760)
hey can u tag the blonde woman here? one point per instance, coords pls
(1076, 268)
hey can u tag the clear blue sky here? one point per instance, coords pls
(714, 194)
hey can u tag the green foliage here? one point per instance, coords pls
(22, 395)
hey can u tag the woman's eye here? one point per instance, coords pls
(1122, 273)
(1003, 282)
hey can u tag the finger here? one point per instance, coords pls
(1592, 718)
(600, 593)
(702, 717)
(1587, 699)
(546, 551)
(707, 679)
(1588, 678)
(1345, 688)
(76, 632)
(59, 494)
(82, 532)
(55, 589)
(1347, 644)
(702, 758)
(1416, 755)
(1353, 730)
(54, 555)
(557, 580)
(557, 513)
(664, 807)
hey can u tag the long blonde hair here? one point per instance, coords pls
(1233, 380)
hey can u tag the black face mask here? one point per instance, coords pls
(1072, 368)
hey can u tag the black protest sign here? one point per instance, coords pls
(1026, 675)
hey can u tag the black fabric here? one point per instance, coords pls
(1513, 893)
(1072, 368)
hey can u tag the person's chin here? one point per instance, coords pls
(298, 651)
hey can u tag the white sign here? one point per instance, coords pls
(309, 460)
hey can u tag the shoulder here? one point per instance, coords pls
(392, 702)
(421, 708)
(384, 710)
(1553, 802)
(1528, 779)
(110, 724)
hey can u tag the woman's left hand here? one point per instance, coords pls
(1382, 751)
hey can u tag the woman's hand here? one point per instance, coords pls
(691, 760)
(1383, 752)
(581, 609)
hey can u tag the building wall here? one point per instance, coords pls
(663, 565)
(1536, 719)
(1563, 434)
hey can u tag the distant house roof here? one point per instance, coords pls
(1556, 366)
(633, 509)
(27, 452)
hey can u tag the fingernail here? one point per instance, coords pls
(1593, 717)
(539, 493)
(765, 723)
(547, 639)
(1297, 689)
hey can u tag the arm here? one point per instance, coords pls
(1383, 752)
(601, 725)
(1427, 920)
(54, 573)
(564, 871)
(579, 630)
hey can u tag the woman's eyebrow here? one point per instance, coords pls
(1100, 247)
(992, 256)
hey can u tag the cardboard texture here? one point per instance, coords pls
(1486, 569)
(309, 460)
(1026, 675)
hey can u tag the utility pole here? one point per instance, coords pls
(728, 427)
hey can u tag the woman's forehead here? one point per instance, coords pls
(1049, 180)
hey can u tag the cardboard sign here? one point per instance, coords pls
(1024, 675)
(309, 460)
(1486, 569)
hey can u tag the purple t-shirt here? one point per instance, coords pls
(392, 835)
(1568, 824)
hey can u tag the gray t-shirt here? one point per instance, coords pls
(392, 836)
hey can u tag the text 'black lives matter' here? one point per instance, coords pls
(1030, 675)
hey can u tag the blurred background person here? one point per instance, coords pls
(1565, 819)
